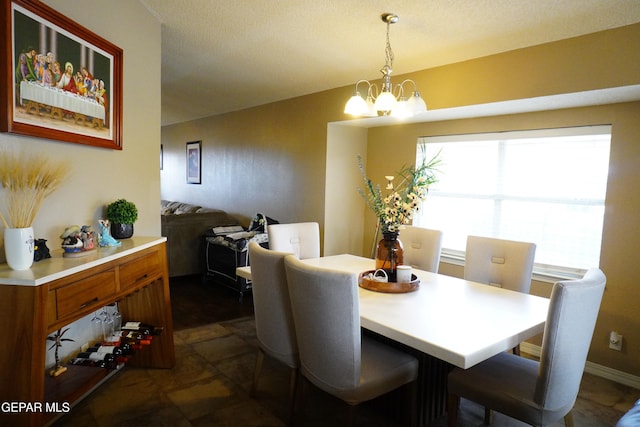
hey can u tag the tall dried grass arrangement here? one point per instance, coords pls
(27, 179)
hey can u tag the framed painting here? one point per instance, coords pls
(61, 81)
(194, 166)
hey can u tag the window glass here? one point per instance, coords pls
(542, 186)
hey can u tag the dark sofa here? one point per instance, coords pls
(184, 225)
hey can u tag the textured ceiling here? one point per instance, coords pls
(225, 55)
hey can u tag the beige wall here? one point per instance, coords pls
(98, 175)
(255, 160)
(278, 158)
(619, 306)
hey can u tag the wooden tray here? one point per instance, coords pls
(388, 287)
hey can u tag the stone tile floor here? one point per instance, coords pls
(209, 386)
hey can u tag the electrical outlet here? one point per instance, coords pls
(615, 341)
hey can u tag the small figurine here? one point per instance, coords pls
(105, 236)
(87, 237)
(78, 241)
(70, 240)
(57, 339)
(40, 250)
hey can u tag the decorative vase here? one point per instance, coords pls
(121, 231)
(18, 247)
(389, 254)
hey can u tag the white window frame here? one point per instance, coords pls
(542, 272)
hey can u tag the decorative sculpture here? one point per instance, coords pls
(40, 250)
(57, 339)
(78, 241)
(105, 236)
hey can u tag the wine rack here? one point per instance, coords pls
(58, 291)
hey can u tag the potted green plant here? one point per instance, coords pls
(121, 215)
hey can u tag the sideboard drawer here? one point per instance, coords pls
(140, 271)
(86, 292)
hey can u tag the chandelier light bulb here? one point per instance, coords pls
(402, 109)
(386, 102)
(356, 106)
(371, 108)
(415, 104)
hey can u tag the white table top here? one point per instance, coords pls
(455, 320)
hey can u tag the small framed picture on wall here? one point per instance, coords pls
(194, 158)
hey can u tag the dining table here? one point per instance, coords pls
(446, 322)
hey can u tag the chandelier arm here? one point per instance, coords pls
(415, 87)
(399, 93)
(371, 91)
(362, 81)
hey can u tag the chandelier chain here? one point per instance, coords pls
(388, 51)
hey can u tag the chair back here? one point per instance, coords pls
(301, 239)
(421, 247)
(504, 263)
(272, 307)
(326, 313)
(573, 311)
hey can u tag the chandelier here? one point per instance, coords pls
(386, 101)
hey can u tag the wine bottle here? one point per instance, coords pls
(78, 361)
(96, 356)
(112, 340)
(92, 349)
(136, 337)
(121, 349)
(142, 328)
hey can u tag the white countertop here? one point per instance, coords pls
(57, 266)
(455, 320)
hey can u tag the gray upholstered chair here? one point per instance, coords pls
(334, 354)
(538, 393)
(273, 317)
(497, 262)
(504, 263)
(421, 248)
(302, 239)
(631, 418)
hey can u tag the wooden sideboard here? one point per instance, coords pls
(58, 291)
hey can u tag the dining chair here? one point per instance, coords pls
(504, 263)
(631, 418)
(302, 238)
(497, 262)
(538, 393)
(334, 354)
(421, 247)
(272, 314)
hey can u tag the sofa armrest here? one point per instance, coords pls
(184, 239)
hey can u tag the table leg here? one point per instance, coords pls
(431, 384)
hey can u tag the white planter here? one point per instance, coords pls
(18, 247)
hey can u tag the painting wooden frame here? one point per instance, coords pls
(34, 101)
(194, 162)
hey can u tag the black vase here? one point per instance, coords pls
(121, 231)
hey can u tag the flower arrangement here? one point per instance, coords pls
(398, 207)
(27, 179)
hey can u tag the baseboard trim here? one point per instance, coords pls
(593, 368)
